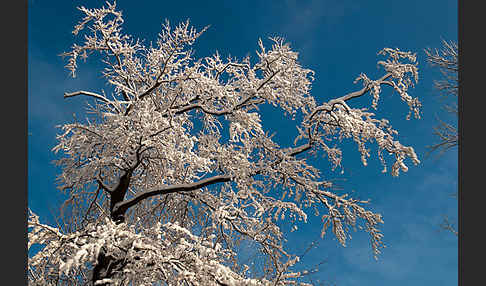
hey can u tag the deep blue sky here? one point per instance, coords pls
(338, 39)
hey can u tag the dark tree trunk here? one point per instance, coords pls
(117, 196)
(107, 265)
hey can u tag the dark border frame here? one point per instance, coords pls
(14, 157)
(470, 19)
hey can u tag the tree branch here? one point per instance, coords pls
(240, 104)
(301, 149)
(87, 93)
(91, 204)
(122, 207)
(91, 94)
(103, 186)
(329, 106)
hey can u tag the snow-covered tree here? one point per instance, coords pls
(174, 168)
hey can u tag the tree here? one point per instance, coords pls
(447, 61)
(174, 169)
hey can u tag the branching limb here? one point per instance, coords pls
(92, 94)
(91, 204)
(122, 207)
(329, 106)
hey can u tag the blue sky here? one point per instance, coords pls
(336, 39)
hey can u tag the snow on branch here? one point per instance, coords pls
(189, 168)
(164, 252)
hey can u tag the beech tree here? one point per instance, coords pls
(173, 168)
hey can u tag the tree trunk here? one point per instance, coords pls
(107, 265)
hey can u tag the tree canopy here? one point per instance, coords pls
(173, 168)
